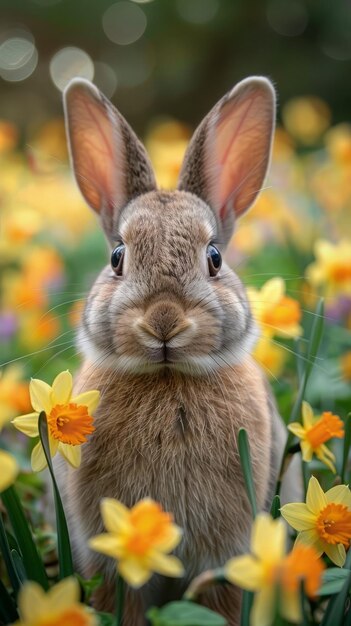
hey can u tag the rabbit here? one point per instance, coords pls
(166, 337)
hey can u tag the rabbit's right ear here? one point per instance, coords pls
(110, 163)
(228, 156)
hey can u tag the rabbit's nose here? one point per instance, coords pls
(164, 320)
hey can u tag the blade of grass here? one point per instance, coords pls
(275, 507)
(245, 460)
(63, 542)
(8, 560)
(246, 604)
(313, 346)
(19, 567)
(8, 613)
(33, 564)
(346, 448)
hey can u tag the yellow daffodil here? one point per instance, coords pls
(139, 539)
(270, 356)
(332, 269)
(268, 566)
(8, 470)
(276, 313)
(14, 394)
(314, 432)
(60, 606)
(324, 522)
(69, 419)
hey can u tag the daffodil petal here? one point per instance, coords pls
(90, 399)
(245, 571)
(64, 594)
(62, 388)
(262, 613)
(327, 457)
(336, 553)
(115, 515)
(268, 537)
(134, 573)
(171, 540)
(8, 470)
(298, 515)
(31, 602)
(307, 415)
(312, 539)
(106, 544)
(40, 395)
(273, 290)
(38, 459)
(297, 429)
(315, 498)
(306, 451)
(165, 564)
(340, 494)
(72, 454)
(27, 424)
(290, 605)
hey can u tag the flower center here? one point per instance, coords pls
(341, 273)
(328, 426)
(286, 312)
(150, 527)
(334, 524)
(74, 616)
(70, 423)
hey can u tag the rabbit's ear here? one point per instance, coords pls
(228, 156)
(110, 163)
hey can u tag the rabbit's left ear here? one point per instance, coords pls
(227, 159)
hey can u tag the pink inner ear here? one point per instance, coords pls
(242, 139)
(95, 145)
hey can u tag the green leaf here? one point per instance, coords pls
(346, 447)
(106, 619)
(245, 460)
(63, 542)
(8, 613)
(316, 336)
(32, 562)
(334, 615)
(19, 566)
(275, 507)
(247, 600)
(184, 613)
(90, 585)
(8, 559)
(332, 581)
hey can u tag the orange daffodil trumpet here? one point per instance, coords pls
(324, 522)
(69, 419)
(58, 607)
(139, 539)
(268, 566)
(314, 432)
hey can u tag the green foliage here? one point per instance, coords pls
(184, 613)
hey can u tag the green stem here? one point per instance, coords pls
(6, 553)
(120, 589)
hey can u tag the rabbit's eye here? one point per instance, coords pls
(117, 259)
(214, 259)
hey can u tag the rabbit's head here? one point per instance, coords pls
(166, 300)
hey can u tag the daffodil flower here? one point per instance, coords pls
(276, 313)
(314, 432)
(60, 605)
(332, 268)
(8, 470)
(69, 419)
(139, 539)
(268, 566)
(324, 522)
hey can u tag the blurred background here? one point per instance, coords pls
(164, 63)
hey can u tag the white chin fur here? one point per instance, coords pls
(194, 365)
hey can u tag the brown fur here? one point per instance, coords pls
(168, 343)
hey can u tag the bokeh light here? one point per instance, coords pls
(68, 63)
(18, 55)
(124, 23)
(198, 11)
(287, 17)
